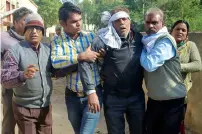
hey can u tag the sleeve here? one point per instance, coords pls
(195, 60)
(11, 77)
(63, 71)
(162, 51)
(60, 57)
(85, 69)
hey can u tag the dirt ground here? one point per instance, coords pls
(61, 124)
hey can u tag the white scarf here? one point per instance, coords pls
(149, 41)
(108, 34)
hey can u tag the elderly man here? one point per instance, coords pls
(10, 38)
(163, 79)
(26, 68)
(121, 73)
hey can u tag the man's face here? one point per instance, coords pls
(73, 24)
(20, 25)
(122, 26)
(33, 34)
(153, 23)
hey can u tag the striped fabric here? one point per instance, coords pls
(64, 52)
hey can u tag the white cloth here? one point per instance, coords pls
(109, 35)
(149, 41)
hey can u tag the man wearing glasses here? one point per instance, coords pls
(26, 68)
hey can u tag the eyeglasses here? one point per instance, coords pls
(31, 29)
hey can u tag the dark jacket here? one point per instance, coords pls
(121, 69)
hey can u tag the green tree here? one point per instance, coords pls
(92, 11)
(48, 9)
(184, 10)
(173, 10)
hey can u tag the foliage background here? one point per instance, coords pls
(189, 10)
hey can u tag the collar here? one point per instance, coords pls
(34, 48)
(15, 35)
(65, 35)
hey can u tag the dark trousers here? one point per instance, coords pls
(8, 123)
(115, 109)
(33, 120)
(164, 117)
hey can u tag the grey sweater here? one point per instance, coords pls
(36, 92)
(166, 82)
(190, 60)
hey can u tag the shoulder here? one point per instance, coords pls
(18, 49)
(192, 45)
(88, 34)
(167, 39)
(45, 45)
(97, 43)
(4, 34)
(97, 40)
(19, 46)
(137, 35)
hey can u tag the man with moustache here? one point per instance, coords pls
(121, 73)
(27, 69)
(8, 39)
(67, 51)
(163, 79)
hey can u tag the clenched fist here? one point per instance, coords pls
(30, 71)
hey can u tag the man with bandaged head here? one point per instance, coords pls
(120, 71)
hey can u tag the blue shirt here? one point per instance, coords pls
(162, 51)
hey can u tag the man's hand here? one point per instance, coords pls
(30, 72)
(88, 55)
(102, 53)
(93, 103)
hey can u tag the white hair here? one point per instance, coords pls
(155, 11)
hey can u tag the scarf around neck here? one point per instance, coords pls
(15, 35)
(149, 40)
(108, 34)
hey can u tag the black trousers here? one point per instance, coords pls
(164, 117)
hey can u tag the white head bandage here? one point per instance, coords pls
(119, 15)
(107, 18)
(109, 35)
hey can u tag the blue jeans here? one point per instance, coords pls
(82, 121)
(115, 108)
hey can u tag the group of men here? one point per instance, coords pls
(107, 68)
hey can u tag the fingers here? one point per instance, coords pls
(32, 68)
(93, 103)
(30, 71)
(97, 54)
(89, 48)
(94, 108)
(102, 52)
